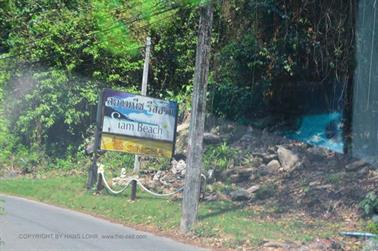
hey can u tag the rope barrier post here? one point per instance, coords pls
(100, 184)
(101, 174)
(133, 189)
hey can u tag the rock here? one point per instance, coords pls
(269, 157)
(257, 161)
(157, 176)
(183, 127)
(265, 157)
(116, 180)
(279, 246)
(123, 173)
(263, 170)
(234, 178)
(178, 167)
(236, 175)
(181, 166)
(210, 138)
(240, 195)
(317, 153)
(174, 166)
(215, 130)
(324, 187)
(274, 165)
(89, 149)
(211, 197)
(371, 245)
(168, 179)
(323, 244)
(363, 171)
(165, 183)
(246, 138)
(314, 183)
(210, 175)
(375, 218)
(287, 158)
(226, 128)
(253, 189)
(355, 165)
(222, 196)
(182, 142)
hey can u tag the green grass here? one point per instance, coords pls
(233, 223)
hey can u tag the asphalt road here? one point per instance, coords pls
(28, 225)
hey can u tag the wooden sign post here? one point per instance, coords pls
(92, 172)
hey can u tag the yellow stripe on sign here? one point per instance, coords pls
(136, 146)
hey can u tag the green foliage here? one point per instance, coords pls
(369, 204)
(335, 178)
(152, 163)
(174, 54)
(220, 157)
(266, 45)
(67, 52)
(245, 101)
(183, 99)
(56, 103)
(114, 36)
(7, 142)
(372, 227)
(61, 53)
(115, 161)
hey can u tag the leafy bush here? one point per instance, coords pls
(183, 98)
(236, 103)
(220, 157)
(372, 227)
(115, 161)
(370, 204)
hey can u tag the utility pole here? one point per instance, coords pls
(144, 93)
(197, 123)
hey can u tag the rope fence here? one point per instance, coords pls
(109, 189)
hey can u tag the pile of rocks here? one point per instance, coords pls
(266, 159)
(161, 180)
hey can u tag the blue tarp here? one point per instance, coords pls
(324, 130)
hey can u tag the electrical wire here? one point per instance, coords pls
(120, 24)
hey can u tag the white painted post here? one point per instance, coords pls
(144, 93)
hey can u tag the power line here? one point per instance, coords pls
(120, 24)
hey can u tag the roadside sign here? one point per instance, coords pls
(138, 124)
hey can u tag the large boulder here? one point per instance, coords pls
(240, 195)
(253, 189)
(274, 165)
(355, 165)
(287, 158)
(212, 139)
(236, 175)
